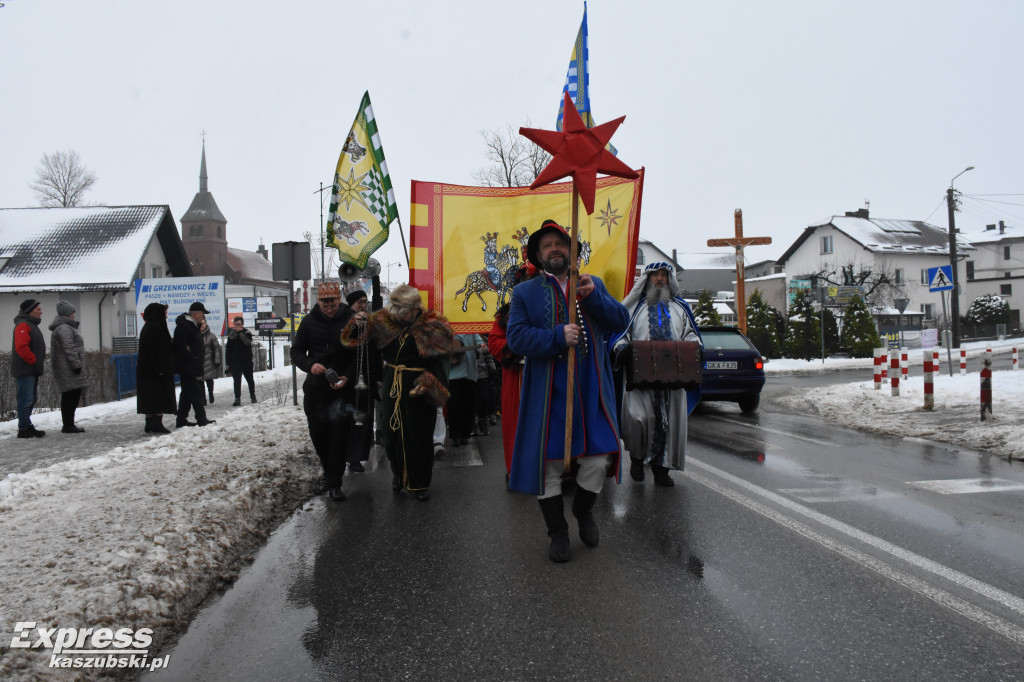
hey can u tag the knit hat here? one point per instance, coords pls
(28, 305)
(328, 289)
(354, 296)
(65, 309)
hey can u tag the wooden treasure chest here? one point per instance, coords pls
(663, 364)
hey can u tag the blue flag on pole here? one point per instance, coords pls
(577, 80)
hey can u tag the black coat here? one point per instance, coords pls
(238, 354)
(318, 340)
(189, 349)
(154, 369)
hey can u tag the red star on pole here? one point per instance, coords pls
(578, 151)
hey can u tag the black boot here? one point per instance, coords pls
(158, 426)
(582, 504)
(558, 529)
(149, 425)
(636, 469)
(661, 477)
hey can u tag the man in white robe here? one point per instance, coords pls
(653, 421)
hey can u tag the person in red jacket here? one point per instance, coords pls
(27, 362)
(511, 371)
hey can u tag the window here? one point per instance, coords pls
(970, 269)
(826, 244)
(195, 231)
(156, 272)
(639, 257)
(924, 277)
(218, 231)
(899, 275)
(129, 324)
(1006, 290)
(1006, 253)
(929, 310)
(1006, 275)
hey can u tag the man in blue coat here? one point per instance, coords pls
(539, 329)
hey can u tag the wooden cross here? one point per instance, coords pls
(739, 241)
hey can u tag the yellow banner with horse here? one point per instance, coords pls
(467, 242)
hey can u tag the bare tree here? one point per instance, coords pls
(62, 179)
(514, 160)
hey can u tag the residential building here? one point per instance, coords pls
(996, 266)
(89, 256)
(893, 255)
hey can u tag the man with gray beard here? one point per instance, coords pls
(653, 421)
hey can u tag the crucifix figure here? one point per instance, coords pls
(739, 241)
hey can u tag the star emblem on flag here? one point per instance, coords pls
(352, 189)
(579, 152)
(609, 217)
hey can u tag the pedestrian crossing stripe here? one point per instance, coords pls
(963, 486)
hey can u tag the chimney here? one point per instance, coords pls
(859, 213)
(1002, 227)
(990, 227)
(262, 250)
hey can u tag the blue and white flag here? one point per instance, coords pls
(577, 80)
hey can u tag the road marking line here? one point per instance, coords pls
(939, 596)
(997, 595)
(779, 433)
(963, 486)
(842, 493)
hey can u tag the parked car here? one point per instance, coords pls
(733, 368)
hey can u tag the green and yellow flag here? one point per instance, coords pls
(362, 201)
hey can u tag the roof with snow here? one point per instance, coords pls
(993, 234)
(83, 248)
(882, 236)
(250, 265)
(722, 260)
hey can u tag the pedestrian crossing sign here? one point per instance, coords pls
(940, 278)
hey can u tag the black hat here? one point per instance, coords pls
(28, 305)
(533, 245)
(354, 296)
(198, 305)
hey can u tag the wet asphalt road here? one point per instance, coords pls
(789, 549)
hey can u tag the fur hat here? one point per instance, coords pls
(28, 305)
(404, 297)
(65, 309)
(533, 245)
(328, 289)
(354, 296)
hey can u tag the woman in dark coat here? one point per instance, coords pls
(154, 371)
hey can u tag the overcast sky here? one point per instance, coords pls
(792, 111)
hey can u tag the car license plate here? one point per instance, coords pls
(721, 365)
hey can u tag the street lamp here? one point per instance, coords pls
(955, 299)
(389, 274)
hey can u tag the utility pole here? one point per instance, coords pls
(323, 245)
(954, 307)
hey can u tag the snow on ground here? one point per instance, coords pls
(137, 536)
(955, 418)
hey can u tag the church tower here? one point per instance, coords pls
(204, 230)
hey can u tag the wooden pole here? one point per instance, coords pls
(571, 374)
(741, 290)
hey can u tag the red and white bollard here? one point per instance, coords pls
(935, 360)
(904, 366)
(986, 390)
(878, 369)
(1013, 360)
(894, 372)
(884, 352)
(929, 381)
(963, 362)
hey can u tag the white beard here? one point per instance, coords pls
(656, 295)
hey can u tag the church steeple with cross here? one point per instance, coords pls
(204, 229)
